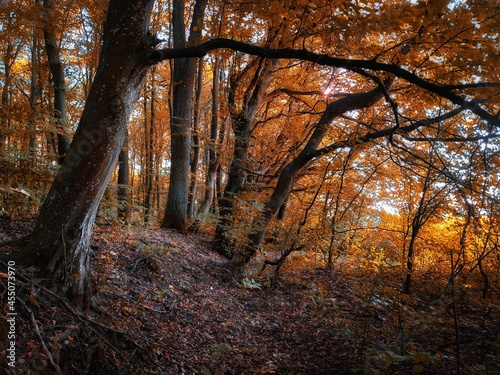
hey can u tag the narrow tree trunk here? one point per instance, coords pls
(180, 125)
(149, 147)
(142, 188)
(212, 153)
(241, 123)
(123, 183)
(426, 206)
(409, 260)
(219, 191)
(5, 108)
(236, 179)
(57, 72)
(35, 95)
(59, 245)
(336, 209)
(195, 160)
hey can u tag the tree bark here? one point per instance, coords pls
(59, 245)
(149, 148)
(35, 95)
(5, 109)
(195, 160)
(58, 81)
(183, 79)
(241, 122)
(427, 204)
(123, 183)
(212, 153)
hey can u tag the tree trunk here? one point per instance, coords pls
(241, 123)
(57, 72)
(212, 154)
(5, 108)
(59, 245)
(123, 183)
(195, 160)
(149, 147)
(410, 257)
(183, 79)
(35, 96)
(426, 206)
(289, 173)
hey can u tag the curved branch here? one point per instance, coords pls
(371, 136)
(156, 56)
(471, 85)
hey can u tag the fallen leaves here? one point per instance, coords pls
(172, 306)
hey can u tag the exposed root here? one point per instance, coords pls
(17, 241)
(37, 331)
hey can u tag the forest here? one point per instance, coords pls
(250, 187)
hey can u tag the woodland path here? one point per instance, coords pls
(172, 306)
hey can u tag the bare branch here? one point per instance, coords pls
(368, 137)
(471, 85)
(156, 56)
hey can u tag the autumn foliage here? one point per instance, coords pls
(342, 152)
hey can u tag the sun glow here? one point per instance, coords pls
(327, 91)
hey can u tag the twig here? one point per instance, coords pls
(16, 241)
(88, 322)
(37, 331)
(64, 251)
(455, 318)
(158, 311)
(474, 340)
(80, 317)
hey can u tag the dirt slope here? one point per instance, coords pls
(172, 306)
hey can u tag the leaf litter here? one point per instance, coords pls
(170, 305)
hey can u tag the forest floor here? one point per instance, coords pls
(170, 305)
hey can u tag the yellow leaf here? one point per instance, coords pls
(33, 300)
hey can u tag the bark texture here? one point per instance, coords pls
(59, 245)
(123, 183)
(58, 80)
(241, 122)
(212, 163)
(181, 117)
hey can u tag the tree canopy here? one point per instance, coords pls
(354, 132)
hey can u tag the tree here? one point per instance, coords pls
(195, 158)
(183, 78)
(123, 182)
(58, 81)
(289, 173)
(212, 163)
(149, 140)
(59, 244)
(427, 201)
(242, 119)
(8, 60)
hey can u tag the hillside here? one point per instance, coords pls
(169, 305)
